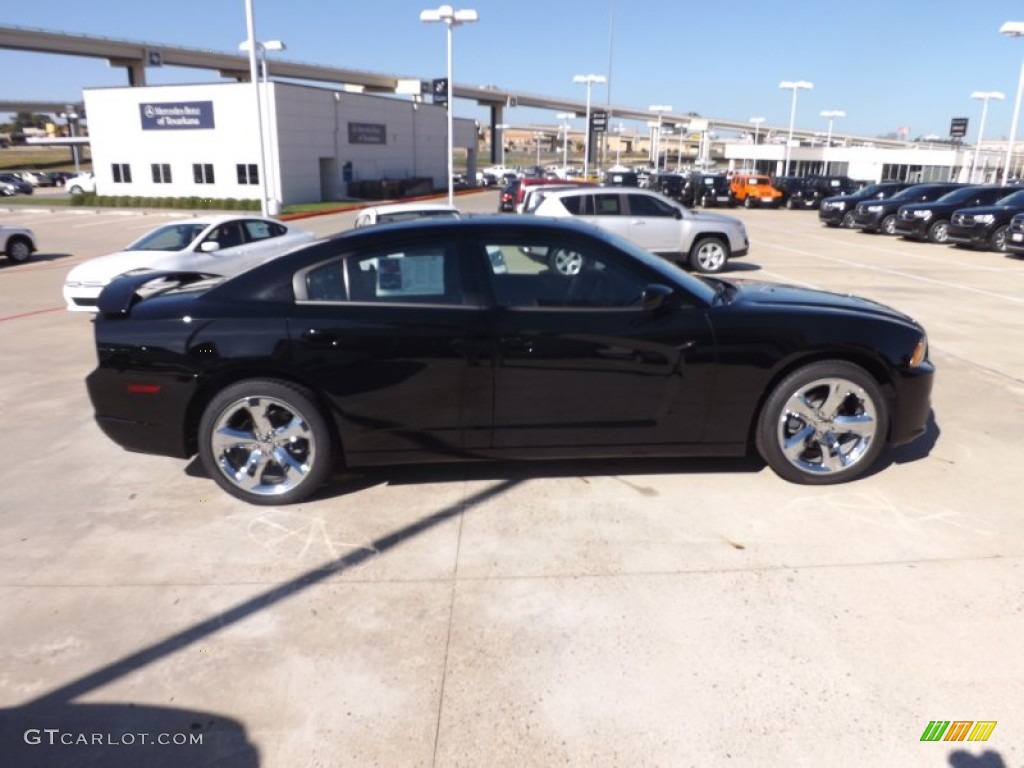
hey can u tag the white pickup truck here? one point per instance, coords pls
(18, 243)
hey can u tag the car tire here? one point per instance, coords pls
(938, 232)
(790, 205)
(847, 222)
(888, 225)
(709, 255)
(266, 442)
(703, 201)
(748, 202)
(997, 240)
(797, 431)
(18, 249)
(75, 190)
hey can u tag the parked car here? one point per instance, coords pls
(788, 186)
(215, 245)
(80, 184)
(534, 196)
(702, 241)
(930, 221)
(15, 185)
(838, 211)
(1015, 236)
(880, 215)
(708, 190)
(527, 183)
(388, 214)
(622, 179)
(753, 190)
(19, 243)
(631, 356)
(816, 188)
(669, 184)
(985, 227)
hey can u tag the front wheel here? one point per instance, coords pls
(889, 224)
(997, 242)
(265, 441)
(709, 255)
(847, 222)
(938, 232)
(823, 424)
(748, 202)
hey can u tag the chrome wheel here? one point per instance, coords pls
(265, 442)
(708, 255)
(565, 262)
(847, 222)
(825, 423)
(998, 240)
(889, 225)
(939, 232)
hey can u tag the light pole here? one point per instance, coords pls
(795, 86)
(679, 158)
(589, 80)
(1013, 29)
(250, 39)
(451, 18)
(985, 97)
(757, 127)
(565, 117)
(500, 128)
(537, 136)
(72, 116)
(831, 114)
(661, 109)
(273, 193)
(619, 130)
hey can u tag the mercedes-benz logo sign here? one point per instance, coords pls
(148, 111)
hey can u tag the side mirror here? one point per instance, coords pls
(209, 246)
(677, 213)
(655, 296)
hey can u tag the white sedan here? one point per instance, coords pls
(18, 243)
(215, 245)
(386, 214)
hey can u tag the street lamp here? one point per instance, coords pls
(1013, 29)
(661, 109)
(589, 80)
(250, 38)
(273, 193)
(537, 136)
(795, 86)
(72, 116)
(565, 117)
(985, 97)
(619, 130)
(451, 18)
(757, 126)
(831, 114)
(679, 159)
(500, 128)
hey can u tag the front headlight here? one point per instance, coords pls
(920, 353)
(874, 208)
(922, 215)
(985, 218)
(839, 206)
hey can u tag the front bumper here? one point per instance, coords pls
(912, 404)
(975, 236)
(82, 298)
(916, 228)
(869, 221)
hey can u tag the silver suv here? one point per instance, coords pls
(697, 239)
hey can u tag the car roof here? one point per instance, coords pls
(406, 207)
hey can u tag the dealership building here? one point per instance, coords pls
(320, 144)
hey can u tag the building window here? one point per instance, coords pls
(161, 173)
(122, 173)
(202, 173)
(248, 174)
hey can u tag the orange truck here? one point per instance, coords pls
(754, 191)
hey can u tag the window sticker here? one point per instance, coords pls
(410, 275)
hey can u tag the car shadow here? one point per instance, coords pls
(123, 735)
(915, 450)
(36, 258)
(741, 266)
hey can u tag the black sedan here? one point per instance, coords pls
(837, 211)
(930, 221)
(985, 227)
(443, 340)
(1015, 236)
(880, 215)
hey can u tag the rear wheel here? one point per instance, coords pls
(997, 242)
(825, 423)
(76, 190)
(709, 255)
(18, 249)
(265, 441)
(938, 232)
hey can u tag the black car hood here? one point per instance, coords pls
(996, 209)
(769, 294)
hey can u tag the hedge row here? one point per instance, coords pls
(200, 203)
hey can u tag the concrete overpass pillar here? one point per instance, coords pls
(136, 70)
(497, 134)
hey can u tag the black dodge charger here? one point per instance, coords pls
(451, 340)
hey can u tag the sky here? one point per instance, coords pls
(887, 65)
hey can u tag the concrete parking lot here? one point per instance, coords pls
(618, 613)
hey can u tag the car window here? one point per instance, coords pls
(172, 237)
(607, 205)
(262, 230)
(418, 274)
(645, 205)
(559, 274)
(227, 235)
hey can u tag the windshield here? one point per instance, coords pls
(173, 237)
(1013, 199)
(958, 194)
